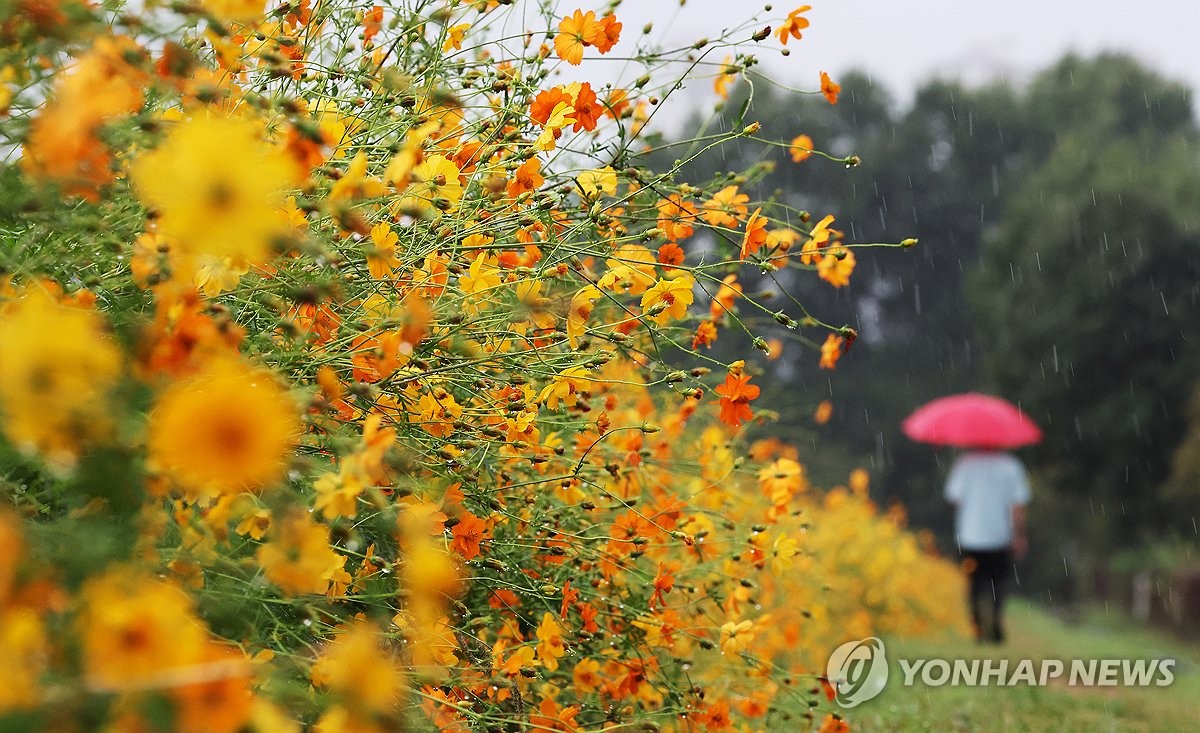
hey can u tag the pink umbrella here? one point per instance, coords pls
(971, 420)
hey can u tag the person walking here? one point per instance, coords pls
(989, 490)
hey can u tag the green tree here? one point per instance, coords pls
(1088, 294)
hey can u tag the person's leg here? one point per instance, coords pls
(975, 588)
(1001, 562)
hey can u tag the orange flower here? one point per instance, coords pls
(831, 351)
(675, 217)
(372, 23)
(587, 109)
(729, 291)
(670, 254)
(574, 32)
(835, 267)
(725, 78)
(823, 413)
(829, 88)
(706, 335)
(736, 394)
(756, 233)
(528, 177)
(801, 148)
(468, 534)
(795, 23)
(545, 101)
(610, 33)
(725, 207)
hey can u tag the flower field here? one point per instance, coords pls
(355, 376)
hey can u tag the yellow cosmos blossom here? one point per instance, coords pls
(783, 549)
(725, 78)
(399, 170)
(214, 276)
(782, 479)
(381, 257)
(435, 186)
(550, 646)
(26, 647)
(631, 270)
(668, 299)
(134, 627)
(218, 188)
(454, 36)
(359, 667)
(582, 304)
(356, 184)
(57, 367)
(598, 181)
(562, 115)
(482, 277)
(736, 636)
(298, 559)
(242, 11)
(571, 381)
(228, 429)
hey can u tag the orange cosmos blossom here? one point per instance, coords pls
(795, 23)
(836, 266)
(801, 148)
(736, 394)
(830, 88)
(756, 233)
(675, 217)
(831, 351)
(725, 207)
(580, 29)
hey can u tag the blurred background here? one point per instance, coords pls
(1046, 157)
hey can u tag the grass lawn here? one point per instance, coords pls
(1035, 633)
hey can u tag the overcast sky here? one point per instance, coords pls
(901, 43)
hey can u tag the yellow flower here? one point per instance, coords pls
(244, 11)
(736, 636)
(783, 549)
(668, 299)
(356, 184)
(381, 259)
(25, 645)
(56, 369)
(561, 116)
(357, 666)
(550, 646)
(135, 627)
(435, 185)
(598, 181)
(218, 188)
(630, 270)
(481, 277)
(215, 276)
(582, 304)
(454, 36)
(299, 559)
(227, 429)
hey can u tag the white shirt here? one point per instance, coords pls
(984, 487)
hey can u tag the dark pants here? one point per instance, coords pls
(987, 579)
